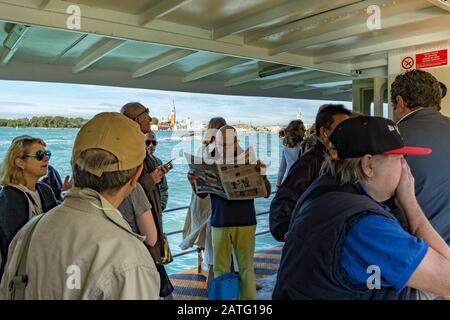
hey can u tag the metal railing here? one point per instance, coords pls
(196, 250)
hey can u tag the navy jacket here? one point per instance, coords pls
(301, 175)
(14, 214)
(310, 266)
(53, 179)
(429, 128)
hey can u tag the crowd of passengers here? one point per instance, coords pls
(362, 207)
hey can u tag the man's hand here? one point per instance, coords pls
(67, 184)
(405, 196)
(261, 167)
(165, 168)
(192, 177)
(157, 175)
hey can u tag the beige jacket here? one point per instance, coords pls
(84, 249)
(197, 218)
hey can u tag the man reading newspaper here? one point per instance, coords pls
(233, 222)
(236, 178)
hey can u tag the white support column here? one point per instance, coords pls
(356, 92)
(378, 94)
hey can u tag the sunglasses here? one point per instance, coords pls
(39, 155)
(149, 142)
(146, 110)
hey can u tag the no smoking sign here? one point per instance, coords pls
(408, 63)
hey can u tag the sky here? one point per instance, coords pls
(27, 99)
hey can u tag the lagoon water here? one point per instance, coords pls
(266, 145)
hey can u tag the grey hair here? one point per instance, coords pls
(95, 159)
(346, 170)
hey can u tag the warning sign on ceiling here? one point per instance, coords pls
(407, 63)
(432, 59)
(425, 60)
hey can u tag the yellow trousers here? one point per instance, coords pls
(242, 240)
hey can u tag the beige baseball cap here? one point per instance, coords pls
(115, 133)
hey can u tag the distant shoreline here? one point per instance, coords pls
(6, 127)
(55, 122)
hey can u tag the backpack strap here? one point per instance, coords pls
(20, 280)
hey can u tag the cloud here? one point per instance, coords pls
(16, 104)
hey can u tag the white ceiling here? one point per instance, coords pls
(216, 46)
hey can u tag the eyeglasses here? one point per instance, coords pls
(146, 110)
(39, 155)
(149, 142)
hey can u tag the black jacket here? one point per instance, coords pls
(301, 175)
(14, 214)
(310, 266)
(53, 179)
(429, 128)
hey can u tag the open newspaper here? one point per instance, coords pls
(239, 181)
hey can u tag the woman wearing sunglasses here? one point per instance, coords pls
(22, 196)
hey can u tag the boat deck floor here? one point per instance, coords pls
(191, 285)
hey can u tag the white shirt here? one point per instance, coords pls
(407, 115)
(36, 206)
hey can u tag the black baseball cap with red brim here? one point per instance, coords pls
(356, 137)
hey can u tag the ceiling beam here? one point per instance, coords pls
(161, 61)
(260, 74)
(327, 79)
(337, 90)
(304, 88)
(370, 64)
(95, 53)
(386, 43)
(160, 9)
(12, 42)
(213, 68)
(443, 4)
(243, 78)
(293, 80)
(72, 45)
(44, 4)
(380, 72)
(305, 8)
(357, 27)
(348, 11)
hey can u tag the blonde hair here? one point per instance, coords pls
(213, 126)
(10, 174)
(346, 170)
(291, 133)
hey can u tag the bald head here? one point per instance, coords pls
(139, 113)
(132, 110)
